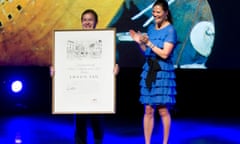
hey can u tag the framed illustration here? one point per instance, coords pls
(83, 63)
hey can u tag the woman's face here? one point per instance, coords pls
(88, 21)
(159, 14)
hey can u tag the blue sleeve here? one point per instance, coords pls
(171, 36)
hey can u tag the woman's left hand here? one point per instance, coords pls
(144, 39)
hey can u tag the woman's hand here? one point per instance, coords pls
(144, 39)
(136, 36)
(139, 37)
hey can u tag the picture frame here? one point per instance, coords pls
(84, 81)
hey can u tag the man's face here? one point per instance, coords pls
(88, 21)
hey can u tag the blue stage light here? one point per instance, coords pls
(16, 86)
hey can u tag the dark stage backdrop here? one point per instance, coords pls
(226, 49)
(194, 24)
(207, 30)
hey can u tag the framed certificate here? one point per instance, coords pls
(83, 80)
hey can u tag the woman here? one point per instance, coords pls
(158, 76)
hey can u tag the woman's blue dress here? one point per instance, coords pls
(162, 91)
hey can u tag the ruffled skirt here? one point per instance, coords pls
(163, 90)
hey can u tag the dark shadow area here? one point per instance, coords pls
(36, 95)
(201, 92)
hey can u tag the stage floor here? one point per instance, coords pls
(59, 129)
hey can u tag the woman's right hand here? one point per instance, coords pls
(136, 36)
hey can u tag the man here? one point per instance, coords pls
(89, 20)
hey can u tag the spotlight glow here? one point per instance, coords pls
(16, 86)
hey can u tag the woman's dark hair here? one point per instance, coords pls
(92, 12)
(165, 7)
